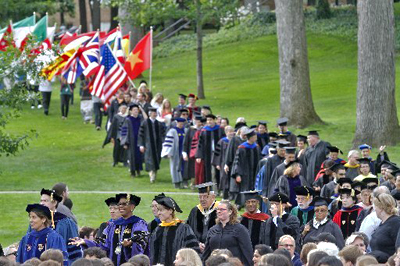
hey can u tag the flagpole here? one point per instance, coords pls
(130, 80)
(151, 55)
(47, 23)
(34, 17)
(129, 43)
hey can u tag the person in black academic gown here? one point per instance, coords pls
(156, 221)
(171, 234)
(303, 211)
(315, 155)
(282, 124)
(328, 190)
(202, 217)
(253, 219)
(262, 134)
(112, 204)
(321, 223)
(282, 222)
(229, 234)
(119, 154)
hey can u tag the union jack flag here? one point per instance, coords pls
(118, 49)
(110, 76)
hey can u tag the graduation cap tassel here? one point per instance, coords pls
(52, 220)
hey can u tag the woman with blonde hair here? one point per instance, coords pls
(384, 238)
(164, 112)
(290, 179)
(157, 101)
(230, 234)
(187, 255)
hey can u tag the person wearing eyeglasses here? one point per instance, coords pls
(156, 221)
(171, 234)
(112, 205)
(127, 236)
(229, 234)
(321, 224)
(287, 242)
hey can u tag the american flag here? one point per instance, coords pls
(110, 76)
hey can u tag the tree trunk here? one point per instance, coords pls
(62, 20)
(126, 27)
(199, 35)
(295, 95)
(96, 18)
(113, 15)
(311, 2)
(82, 16)
(377, 122)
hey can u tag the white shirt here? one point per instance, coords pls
(370, 224)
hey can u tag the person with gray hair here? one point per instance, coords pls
(371, 221)
(352, 165)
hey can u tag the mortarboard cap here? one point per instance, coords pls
(40, 208)
(272, 144)
(282, 121)
(364, 146)
(52, 194)
(282, 143)
(343, 180)
(337, 166)
(360, 185)
(111, 201)
(143, 82)
(133, 105)
(182, 96)
(152, 109)
(273, 134)
(206, 107)
(345, 191)
(211, 116)
(253, 126)
(251, 194)
(334, 149)
(304, 191)
(283, 136)
(159, 196)
(396, 172)
(205, 187)
(198, 117)
(302, 138)
(279, 197)
(313, 133)
(372, 187)
(290, 150)
(129, 197)
(170, 203)
(364, 160)
(320, 201)
(369, 180)
(240, 125)
(250, 132)
(183, 110)
(262, 122)
(291, 163)
(391, 166)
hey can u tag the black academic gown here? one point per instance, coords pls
(234, 237)
(270, 166)
(119, 153)
(219, 159)
(255, 225)
(188, 172)
(328, 227)
(287, 225)
(314, 157)
(328, 190)
(229, 159)
(129, 137)
(262, 140)
(151, 136)
(166, 241)
(200, 223)
(346, 219)
(385, 238)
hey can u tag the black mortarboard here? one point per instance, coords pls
(386, 163)
(302, 138)
(273, 134)
(364, 146)
(392, 166)
(206, 107)
(143, 81)
(205, 187)
(198, 117)
(395, 194)
(319, 201)
(291, 163)
(152, 109)
(313, 133)
(304, 191)
(368, 180)
(279, 197)
(170, 203)
(52, 194)
(183, 110)
(372, 187)
(159, 196)
(240, 125)
(364, 160)
(111, 201)
(203, 120)
(358, 184)
(334, 149)
(40, 208)
(396, 172)
(337, 166)
(211, 116)
(253, 126)
(343, 180)
(251, 194)
(282, 144)
(272, 144)
(133, 105)
(290, 150)
(353, 193)
(283, 136)
(282, 121)
(129, 197)
(250, 132)
(182, 96)
(262, 122)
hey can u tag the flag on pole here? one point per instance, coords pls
(53, 69)
(110, 77)
(40, 30)
(139, 59)
(90, 56)
(26, 22)
(118, 50)
(126, 42)
(6, 40)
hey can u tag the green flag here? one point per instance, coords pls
(26, 22)
(40, 30)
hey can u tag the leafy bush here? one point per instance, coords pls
(323, 9)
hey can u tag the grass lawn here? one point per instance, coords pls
(241, 79)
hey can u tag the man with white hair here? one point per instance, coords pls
(352, 164)
(287, 242)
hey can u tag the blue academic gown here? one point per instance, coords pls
(116, 232)
(34, 243)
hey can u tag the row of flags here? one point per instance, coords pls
(102, 57)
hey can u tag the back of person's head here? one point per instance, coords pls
(68, 203)
(5, 262)
(98, 262)
(215, 260)
(365, 260)
(94, 253)
(85, 232)
(107, 262)
(188, 263)
(329, 261)
(82, 262)
(278, 259)
(329, 248)
(52, 254)
(263, 249)
(222, 252)
(32, 262)
(284, 252)
(50, 263)
(314, 256)
(235, 261)
(60, 188)
(305, 250)
(140, 260)
(188, 254)
(350, 254)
